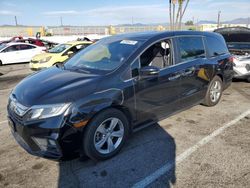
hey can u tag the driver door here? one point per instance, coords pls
(11, 54)
(157, 96)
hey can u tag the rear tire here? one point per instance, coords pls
(1, 63)
(214, 92)
(105, 134)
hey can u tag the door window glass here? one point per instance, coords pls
(158, 55)
(12, 48)
(26, 47)
(190, 48)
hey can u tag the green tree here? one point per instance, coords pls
(190, 22)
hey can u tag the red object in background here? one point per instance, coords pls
(38, 43)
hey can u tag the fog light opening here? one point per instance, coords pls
(45, 144)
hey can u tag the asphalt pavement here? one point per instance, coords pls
(199, 147)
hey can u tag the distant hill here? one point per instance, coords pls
(239, 21)
(235, 21)
(206, 22)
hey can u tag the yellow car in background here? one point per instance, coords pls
(58, 54)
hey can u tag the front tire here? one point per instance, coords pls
(214, 92)
(105, 134)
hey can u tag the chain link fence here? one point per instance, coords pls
(29, 31)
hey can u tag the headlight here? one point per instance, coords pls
(47, 111)
(46, 59)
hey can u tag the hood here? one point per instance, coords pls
(54, 85)
(43, 55)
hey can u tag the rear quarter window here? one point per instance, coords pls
(26, 47)
(216, 46)
(190, 48)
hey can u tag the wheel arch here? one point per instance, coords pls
(221, 76)
(128, 114)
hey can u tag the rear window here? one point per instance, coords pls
(59, 48)
(2, 46)
(216, 47)
(191, 48)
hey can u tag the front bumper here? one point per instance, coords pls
(37, 66)
(242, 71)
(50, 138)
(242, 76)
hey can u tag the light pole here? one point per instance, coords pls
(16, 20)
(61, 20)
(218, 21)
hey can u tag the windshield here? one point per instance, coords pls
(105, 55)
(59, 48)
(240, 46)
(2, 46)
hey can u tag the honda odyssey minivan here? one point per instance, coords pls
(92, 103)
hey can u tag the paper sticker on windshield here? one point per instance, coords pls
(129, 42)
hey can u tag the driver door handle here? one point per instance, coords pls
(176, 76)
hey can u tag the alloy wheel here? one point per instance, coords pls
(109, 135)
(215, 91)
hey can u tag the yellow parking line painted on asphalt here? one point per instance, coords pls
(167, 167)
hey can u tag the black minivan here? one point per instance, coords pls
(91, 104)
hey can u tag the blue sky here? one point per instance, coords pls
(107, 12)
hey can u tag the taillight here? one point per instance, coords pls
(232, 60)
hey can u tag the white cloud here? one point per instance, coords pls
(208, 10)
(9, 13)
(155, 13)
(61, 12)
(9, 4)
(124, 14)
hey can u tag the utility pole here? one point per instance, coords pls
(16, 20)
(218, 21)
(61, 21)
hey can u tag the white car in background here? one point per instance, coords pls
(241, 52)
(238, 42)
(18, 52)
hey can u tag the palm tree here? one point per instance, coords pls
(176, 18)
(183, 12)
(170, 14)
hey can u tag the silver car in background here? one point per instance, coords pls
(238, 42)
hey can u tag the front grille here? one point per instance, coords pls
(15, 116)
(16, 110)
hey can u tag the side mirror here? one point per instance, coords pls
(149, 72)
(70, 53)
